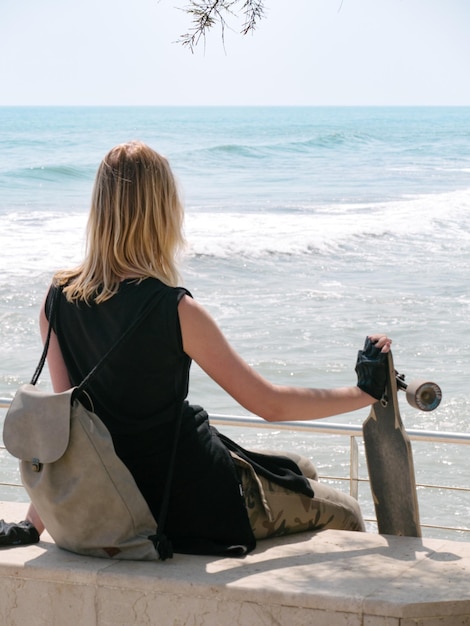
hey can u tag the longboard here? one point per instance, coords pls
(390, 464)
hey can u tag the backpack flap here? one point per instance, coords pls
(37, 425)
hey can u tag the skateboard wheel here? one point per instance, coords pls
(423, 395)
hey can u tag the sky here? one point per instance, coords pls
(305, 52)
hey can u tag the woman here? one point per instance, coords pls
(134, 236)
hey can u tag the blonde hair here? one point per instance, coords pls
(134, 227)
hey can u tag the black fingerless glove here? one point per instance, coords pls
(371, 370)
(17, 533)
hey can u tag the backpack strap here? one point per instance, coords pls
(42, 360)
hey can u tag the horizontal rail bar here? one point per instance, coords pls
(328, 428)
(331, 428)
(320, 426)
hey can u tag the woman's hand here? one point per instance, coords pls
(371, 365)
(381, 341)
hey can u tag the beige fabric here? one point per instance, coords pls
(87, 498)
(275, 511)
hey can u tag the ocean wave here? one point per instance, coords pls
(435, 223)
(50, 173)
(233, 151)
(331, 140)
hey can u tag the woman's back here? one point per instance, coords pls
(145, 380)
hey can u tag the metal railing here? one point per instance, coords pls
(353, 432)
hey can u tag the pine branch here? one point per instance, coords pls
(205, 14)
(254, 12)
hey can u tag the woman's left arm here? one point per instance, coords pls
(55, 362)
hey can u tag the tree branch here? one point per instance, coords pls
(205, 14)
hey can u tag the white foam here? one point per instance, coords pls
(40, 242)
(321, 229)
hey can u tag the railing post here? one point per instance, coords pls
(353, 467)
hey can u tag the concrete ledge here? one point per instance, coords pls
(332, 578)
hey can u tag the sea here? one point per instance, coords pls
(307, 228)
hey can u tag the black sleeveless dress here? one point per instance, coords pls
(139, 393)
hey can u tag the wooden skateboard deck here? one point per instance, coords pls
(390, 463)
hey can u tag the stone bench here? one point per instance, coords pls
(332, 578)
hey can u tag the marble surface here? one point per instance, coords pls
(332, 578)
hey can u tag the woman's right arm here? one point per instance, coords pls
(204, 342)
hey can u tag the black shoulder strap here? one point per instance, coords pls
(42, 360)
